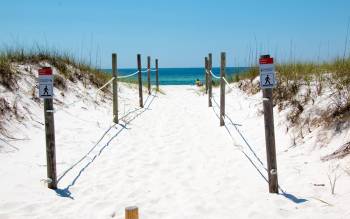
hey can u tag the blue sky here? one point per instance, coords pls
(179, 32)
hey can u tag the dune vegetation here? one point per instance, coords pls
(67, 65)
(301, 83)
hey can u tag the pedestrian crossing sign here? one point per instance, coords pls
(45, 83)
(267, 73)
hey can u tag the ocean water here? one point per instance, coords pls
(179, 76)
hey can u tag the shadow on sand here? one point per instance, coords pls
(65, 192)
(235, 125)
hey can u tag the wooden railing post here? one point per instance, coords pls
(270, 137)
(157, 75)
(149, 74)
(132, 212)
(50, 143)
(140, 80)
(270, 141)
(222, 89)
(115, 88)
(45, 79)
(206, 74)
(210, 81)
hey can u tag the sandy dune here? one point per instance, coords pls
(172, 160)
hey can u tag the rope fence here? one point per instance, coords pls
(84, 98)
(105, 85)
(267, 109)
(217, 77)
(135, 73)
(110, 127)
(231, 88)
(129, 75)
(49, 114)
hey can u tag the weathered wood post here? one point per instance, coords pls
(157, 75)
(210, 81)
(50, 143)
(115, 88)
(206, 74)
(222, 89)
(140, 80)
(46, 92)
(132, 212)
(149, 74)
(265, 60)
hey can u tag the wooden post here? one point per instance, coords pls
(132, 212)
(210, 81)
(270, 138)
(157, 75)
(50, 143)
(140, 79)
(206, 74)
(222, 89)
(149, 74)
(115, 88)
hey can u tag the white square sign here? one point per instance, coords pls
(267, 73)
(45, 83)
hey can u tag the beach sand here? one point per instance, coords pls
(171, 159)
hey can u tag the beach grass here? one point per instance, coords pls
(338, 68)
(315, 78)
(67, 65)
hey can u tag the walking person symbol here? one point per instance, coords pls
(46, 91)
(267, 80)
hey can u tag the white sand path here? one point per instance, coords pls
(172, 161)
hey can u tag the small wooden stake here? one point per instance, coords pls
(132, 212)
(270, 138)
(50, 143)
(157, 76)
(140, 80)
(206, 74)
(115, 88)
(210, 81)
(222, 89)
(149, 74)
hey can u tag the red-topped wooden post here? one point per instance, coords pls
(267, 83)
(46, 92)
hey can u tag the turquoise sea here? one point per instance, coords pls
(179, 76)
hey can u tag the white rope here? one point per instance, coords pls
(228, 84)
(153, 69)
(132, 74)
(129, 75)
(77, 101)
(108, 82)
(98, 90)
(248, 98)
(217, 77)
